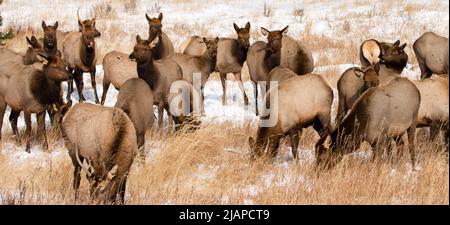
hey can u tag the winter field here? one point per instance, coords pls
(211, 165)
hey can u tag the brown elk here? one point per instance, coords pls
(117, 69)
(79, 52)
(262, 57)
(164, 48)
(159, 75)
(382, 113)
(136, 100)
(351, 85)
(32, 89)
(301, 101)
(50, 40)
(104, 137)
(231, 55)
(432, 54)
(204, 64)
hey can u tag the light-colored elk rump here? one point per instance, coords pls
(302, 101)
(231, 55)
(32, 89)
(369, 53)
(262, 57)
(117, 68)
(79, 50)
(164, 48)
(381, 114)
(351, 85)
(159, 74)
(434, 107)
(136, 100)
(105, 138)
(295, 56)
(203, 65)
(432, 54)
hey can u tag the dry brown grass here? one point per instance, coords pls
(211, 166)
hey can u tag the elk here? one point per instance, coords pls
(136, 100)
(105, 138)
(79, 52)
(164, 48)
(159, 75)
(351, 85)
(231, 55)
(118, 68)
(432, 54)
(262, 57)
(32, 89)
(203, 64)
(301, 101)
(383, 113)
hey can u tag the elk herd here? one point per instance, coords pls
(375, 104)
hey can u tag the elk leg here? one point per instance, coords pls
(41, 129)
(2, 113)
(223, 79)
(411, 141)
(295, 138)
(255, 87)
(76, 173)
(425, 72)
(106, 84)
(241, 86)
(122, 190)
(434, 130)
(27, 116)
(94, 86)
(160, 118)
(69, 85)
(13, 116)
(341, 110)
(78, 76)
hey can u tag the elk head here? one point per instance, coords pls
(142, 51)
(50, 35)
(54, 67)
(88, 31)
(370, 76)
(274, 39)
(155, 26)
(211, 46)
(243, 35)
(393, 55)
(35, 48)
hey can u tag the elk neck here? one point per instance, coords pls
(272, 60)
(44, 89)
(240, 52)
(148, 72)
(158, 50)
(87, 55)
(208, 61)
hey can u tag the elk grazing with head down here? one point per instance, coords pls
(350, 86)
(117, 69)
(32, 89)
(79, 52)
(160, 75)
(203, 65)
(231, 55)
(301, 101)
(379, 115)
(262, 57)
(109, 153)
(432, 54)
(164, 48)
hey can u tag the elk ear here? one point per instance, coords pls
(138, 39)
(97, 33)
(397, 42)
(359, 73)
(154, 42)
(56, 25)
(285, 30)
(93, 22)
(216, 40)
(147, 17)
(247, 26)
(42, 58)
(264, 31)
(402, 47)
(160, 16)
(131, 56)
(204, 40)
(29, 41)
(43, 25)
(236, 28)
(112, 172)
(251, 141)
